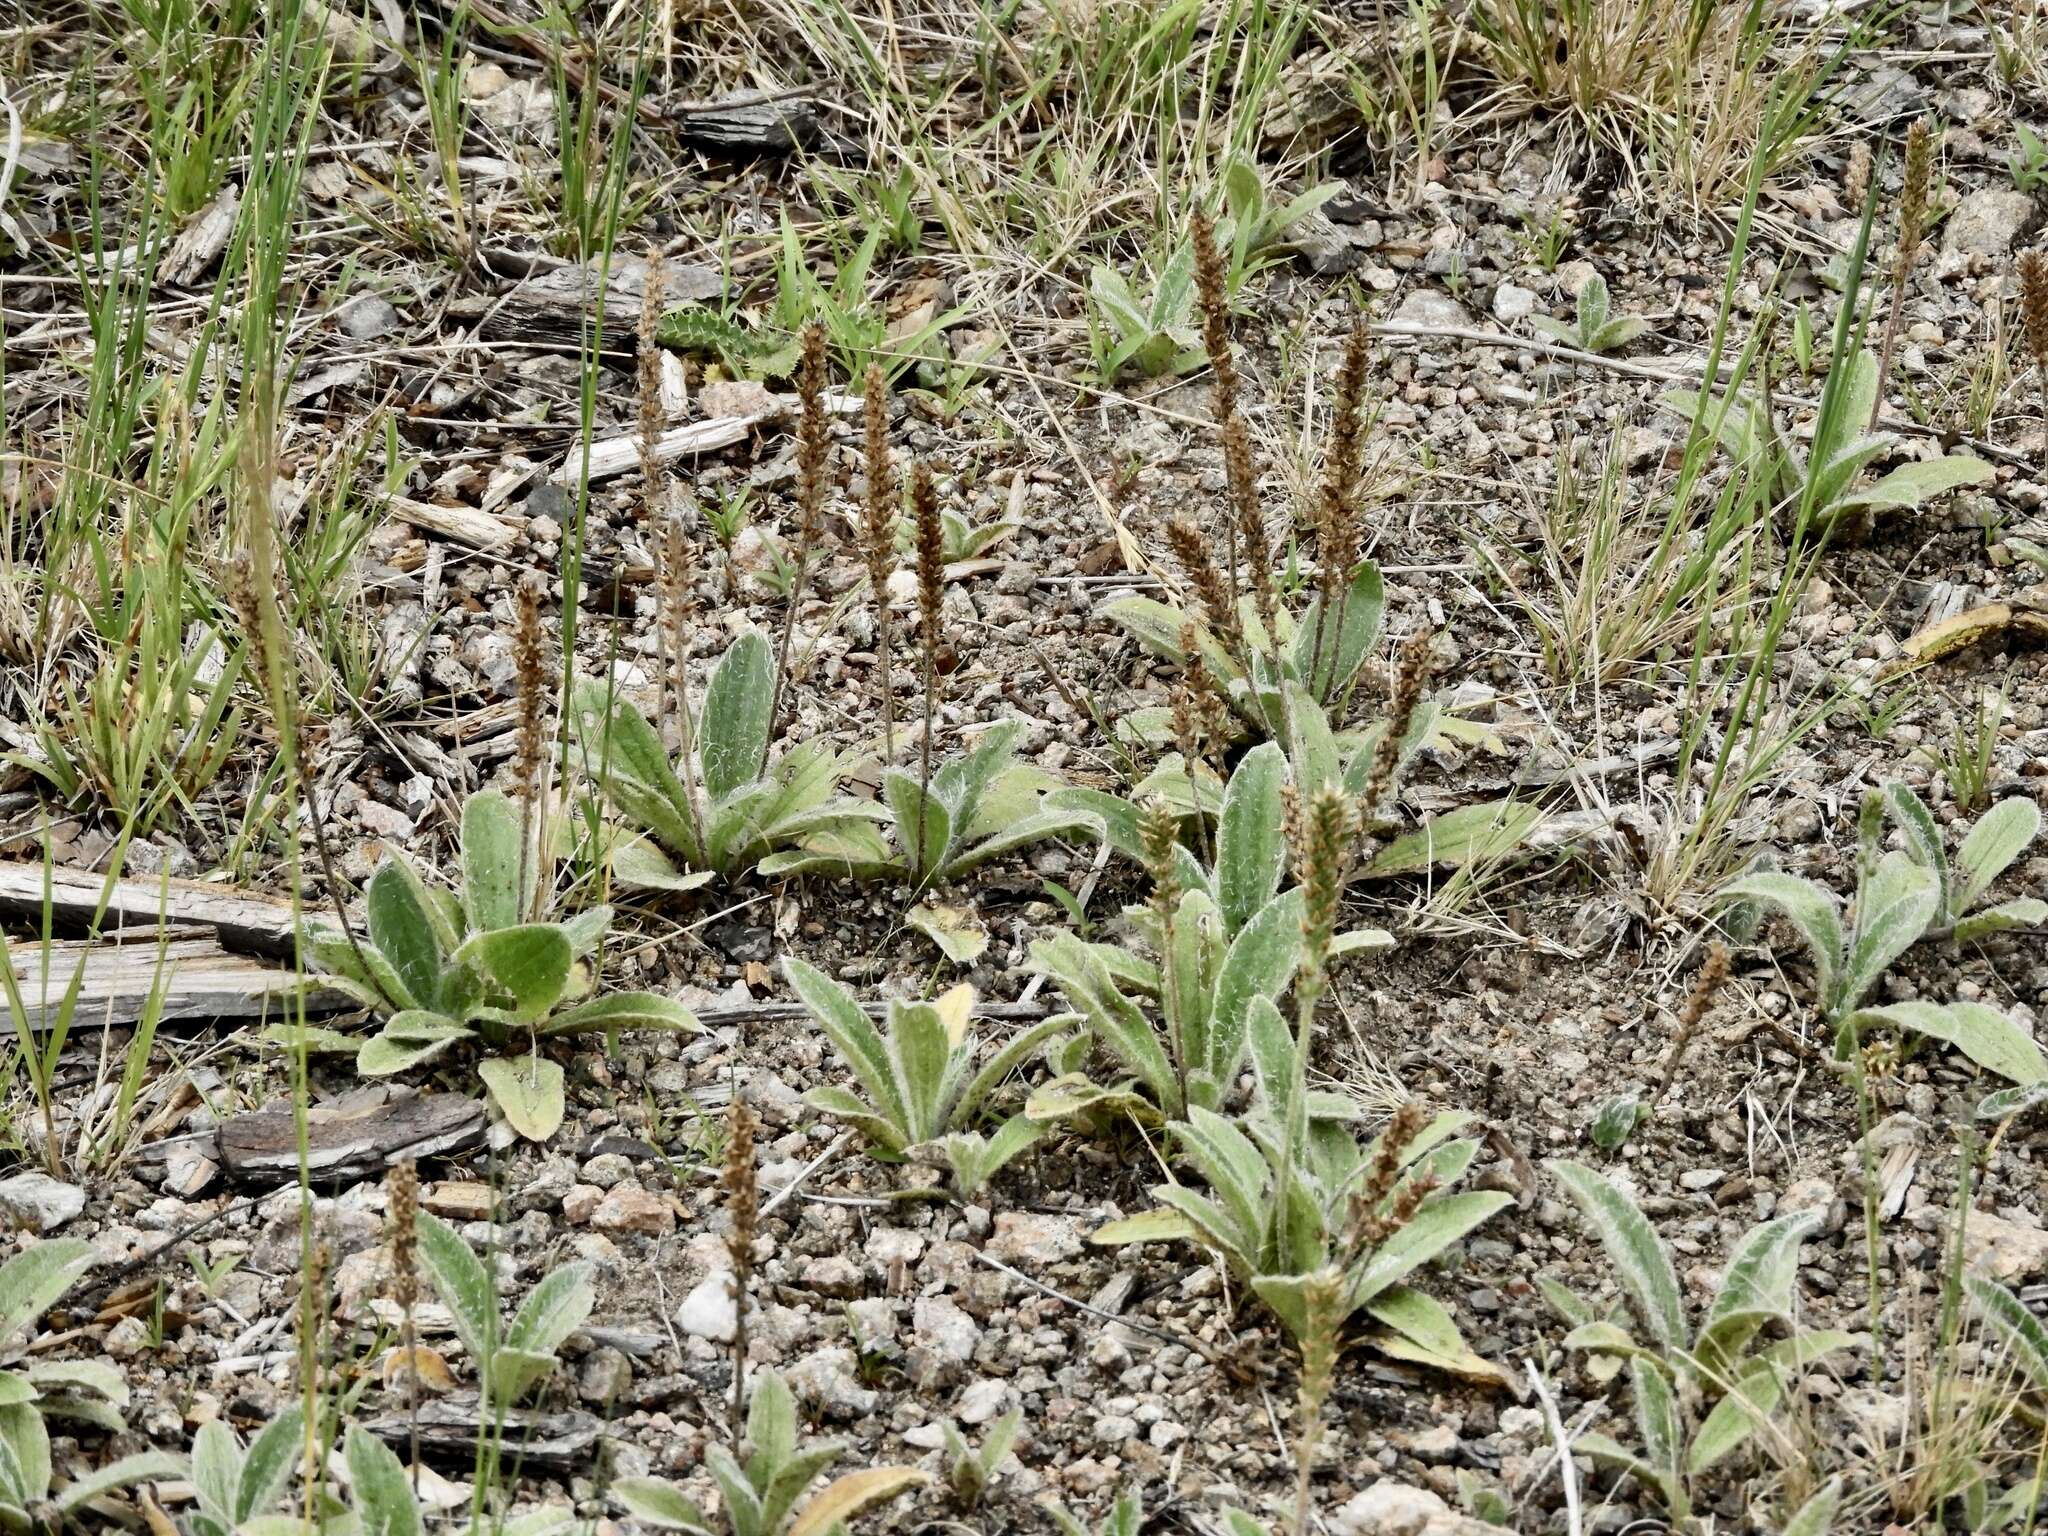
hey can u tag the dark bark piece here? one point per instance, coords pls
(354, 1137)
(244, 921)
(451, 1428)
(198, 980)
(553, 304)
(764, 125)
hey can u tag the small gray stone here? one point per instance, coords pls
(709, 1311)
(980, 1400)
(943, 1340)
(1024, 1237)
(605, 1376)
(1433, 311)
(1987, 223)
(1511, 303)
(827, 1380)
(1391, 1509)
(187, 1170)
(38, 1202)
(367, 317)
(833, 1275)
(607, 1170)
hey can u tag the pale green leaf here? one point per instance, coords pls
(1813, 912)
(2020, 912)
(496, 890)
(272, 1460)
(661, 1505)
(402, 929)
(1632, 1247)
(622, 1010)
(35, 1279)
(1471, 834)
(2023, 1335)
(1983, 1034)
(735, 724)
(529, 1091)
(463, 1284)
(959, 935)
(1816, 1517)
(529, 962)
(380, 1490)
(2000, 836)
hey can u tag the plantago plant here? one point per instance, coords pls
(1896, 902)
(1593, 328)
(2000, 836)
(721, 805)
(1269, 662)
(1700, 1393)
(1820, 480)
(969, 809)
(764, 1496)
(510, 1360)
(450, 968)
(971, 1468)
(922, 1088)
(89, 1391)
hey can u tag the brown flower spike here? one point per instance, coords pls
(878, 537)
(2033, 271)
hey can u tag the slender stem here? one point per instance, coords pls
(924, 757)
(1891, 336)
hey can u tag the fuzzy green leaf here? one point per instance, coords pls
(35, 1279)
(1911, 484)
(640, 865)
(1260, 962)
(553, 1310)
(737, 705)
(463, 1284)
(402, 928)
(1471, 834)
(661, 1505)
(1632, 1247)
(2012, 1101)
(1816, 1517)
(1250, 848)
(1755, 1287)
(2000, 836)
(2020, 912)
(1038, 827)
(143, 1467)
(1990, 1039)
(622, 1010)
(1442, 1221)
(529, 962)
(1923, 837)
(492, 890)
(920, 1051)
(407, 1040)
(1161, 1225)
(1116, 1021)
(1894, 907)
(2024, 1336)
(1330, 653)
(852, 1033)
(382, 1493)
(24, 1456)
(924, 823)
(1812, 911)
(529, 1092)
(267, 1468)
